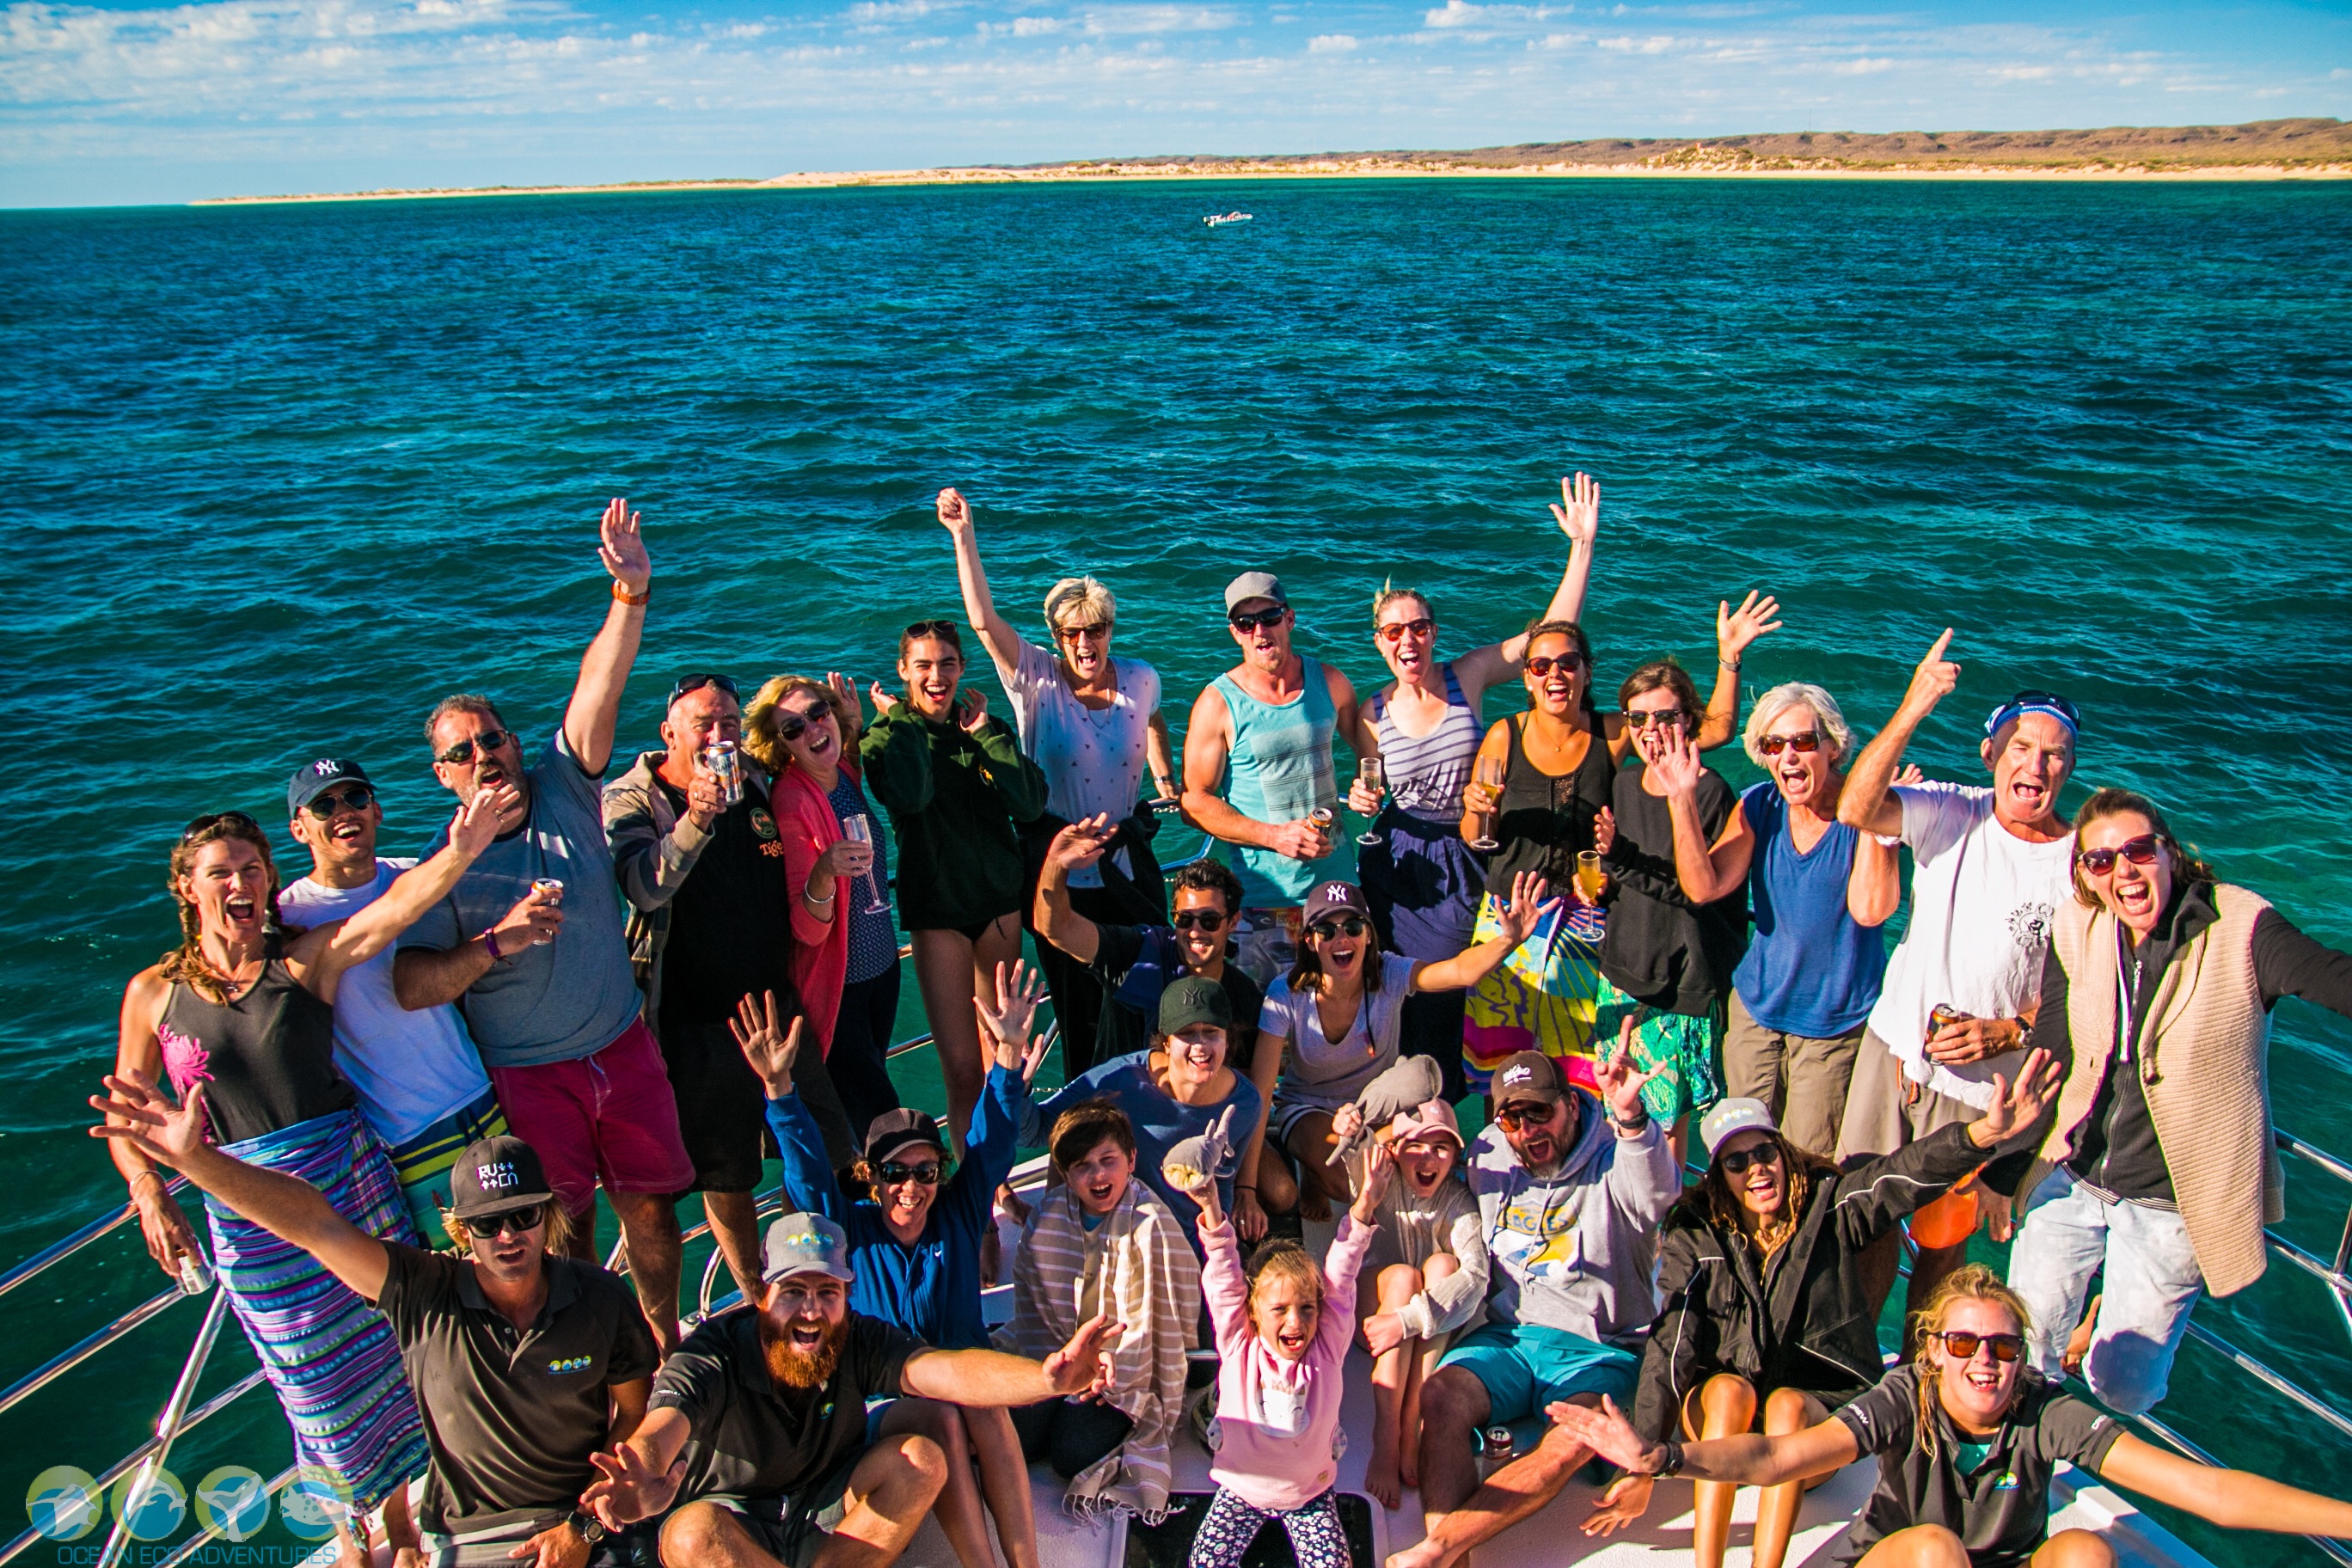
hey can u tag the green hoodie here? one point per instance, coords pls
(953, 796)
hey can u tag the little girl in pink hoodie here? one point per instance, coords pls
(1282, 1333)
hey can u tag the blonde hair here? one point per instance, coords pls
(1837, 735)
(1969, 1282)
(1081, 593)
(553, 1239)
(759, 737)
(1283, 1258)
(1389, 593)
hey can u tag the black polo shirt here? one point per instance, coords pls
(2001, 1510)
(512, 1415)
(751, 1439)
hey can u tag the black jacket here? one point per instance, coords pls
(1808, 1321)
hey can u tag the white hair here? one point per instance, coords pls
(1080, 594)
(1836, 734)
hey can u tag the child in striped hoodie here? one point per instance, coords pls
(1282, 1333)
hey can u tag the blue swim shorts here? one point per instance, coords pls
(1525, 1367)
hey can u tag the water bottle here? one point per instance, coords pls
(196, 1276)
(1496, 1449)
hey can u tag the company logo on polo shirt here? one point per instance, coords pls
(499, 1177)
(763, 824)
(562, 1364)
(2008, 1482)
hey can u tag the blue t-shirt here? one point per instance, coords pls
(575, 996)
(932, 1289)
(1159, 1122)
(1810, 969)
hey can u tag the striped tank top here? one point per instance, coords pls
(1279, 769)
(1425, 773)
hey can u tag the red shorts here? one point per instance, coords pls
(608, 1117)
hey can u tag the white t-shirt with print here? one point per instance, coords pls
(1983, 904)
(1093, 760)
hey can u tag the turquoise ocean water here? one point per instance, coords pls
(282, 476)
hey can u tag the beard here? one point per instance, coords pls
(792, 1368)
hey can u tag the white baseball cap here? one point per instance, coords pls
(1735, 1115)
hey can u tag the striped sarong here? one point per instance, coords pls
(330, 1356)
(422, 1164)
(1542, 997)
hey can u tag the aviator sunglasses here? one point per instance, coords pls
(2141, 851)
(1395, 631)
(1736, 1162)
(519, 1221)
(488, 741)
(1961, 1344)
(356, 798)
(1773, 745)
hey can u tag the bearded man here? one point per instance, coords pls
(757, 1420)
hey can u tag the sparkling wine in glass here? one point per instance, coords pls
(857, 828)
(1372, 776)
(1489, 771)
(1589, 878)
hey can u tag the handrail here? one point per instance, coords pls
(60, 1250)
(2332, 1547)
(168, 1426)
(212, 1532)
(90, 1347)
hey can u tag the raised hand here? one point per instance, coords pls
(975, 710)
(2016, 1106)
(1080, 844)
(627, 1489)
(1079, 1366)
(476, 825)
(1017, 995)
(1531, 901)
(621, 547)
(141, 1115)
(1735, 629)
(955, 513)
(1911, 774)
(1607, 1433)
(883, 701)
(1380, 1170)
(1627, 1498)
(1577, 510)
(771, 1050)
(1618, 1080)
(1934, 679)
(705, 798)
(1677, 767)
(1605, 830)
(842, 687)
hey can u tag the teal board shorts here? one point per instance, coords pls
(1525, 1367)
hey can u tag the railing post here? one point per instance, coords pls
(167, 1427)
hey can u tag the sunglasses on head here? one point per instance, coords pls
(2141, 851)
(213, 819)
(1542, 664)
(1659, 717)
(1961, 1344)
(923, 629)
(1511, 1118)
(1420, 626)
(696, 683)
(1074, 634)
(459, 755)
(1736, 1162)
(793, 723)
(325, 804)
(1773, 745)
(1253, 620)
(890, 1172)
(519, 1221)
(1197, 920)
(1345, 925)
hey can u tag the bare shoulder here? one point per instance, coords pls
(1208, 708)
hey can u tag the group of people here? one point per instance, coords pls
(400, 1085)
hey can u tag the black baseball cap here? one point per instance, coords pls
(1527, 1075)
(1334, 899)
(897, 1129)
(1194, 999)
(313, 779)
(495, 1175)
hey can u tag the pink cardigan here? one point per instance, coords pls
(1276, 1471)
(806, 825)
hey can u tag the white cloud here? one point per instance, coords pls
(1331, 44)
(1463, 14)
(1656, 45)
(1864, 66)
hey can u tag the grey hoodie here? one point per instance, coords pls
(1578, 1250)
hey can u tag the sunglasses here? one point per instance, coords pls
(696, 683)
(1324, 931)
(1197, 920)
(890, 1174)
(791, 724)
(922, 630)
(1569, 664)
(519, 1221)
(1075, 634)
(1395, 631)
(2141, 851)
(1773, 745)
(1253, 621)
(1662, 718)
(1960, 1345)
(356, 798)
(213, 819)
(1737, 1162)
(488, 741)
(1511, 1118)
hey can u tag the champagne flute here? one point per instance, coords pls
(1488, 771)
(858, 829)
(1370, 774)
(1589, 878)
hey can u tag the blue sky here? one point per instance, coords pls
(132, 103)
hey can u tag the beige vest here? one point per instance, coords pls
(2202, 1054)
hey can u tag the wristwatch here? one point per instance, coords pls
(590, 1530)
(1629, 1124)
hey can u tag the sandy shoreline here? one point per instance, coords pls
(1685, 166)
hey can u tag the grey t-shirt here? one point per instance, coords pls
(575, 996)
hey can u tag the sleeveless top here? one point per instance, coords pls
(267, 1060)
(1425, 773)
(1544, 822)
(1279, 769)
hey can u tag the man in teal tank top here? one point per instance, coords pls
(1261, 735)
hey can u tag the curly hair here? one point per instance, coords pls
(2187, 866)
(1969, 1282)
(1212, 874)
(1710, 1200)
(759, 737)
(186, 963)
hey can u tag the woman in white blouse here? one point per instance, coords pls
(1092, 724)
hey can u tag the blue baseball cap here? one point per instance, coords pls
(313, 779)
(2025, 702)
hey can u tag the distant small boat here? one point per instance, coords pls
(1227, 217)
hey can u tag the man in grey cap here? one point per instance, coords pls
(759, 1421)
(1262, 734)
